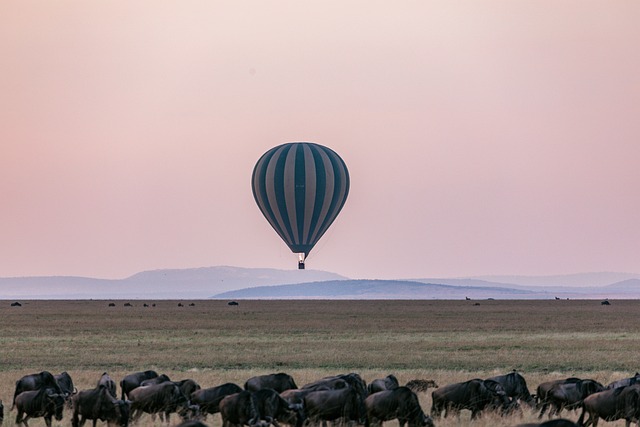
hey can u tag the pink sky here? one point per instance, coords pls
(482, 137)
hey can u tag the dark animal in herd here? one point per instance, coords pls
(240, 409)
(164, 398)
(33, 382)
(565, 394)
(474, 395)
(209, 398)
(399, 403)
(100, 404)
(515, 386)
(559, 422)
(273, 409)
(107, 382)
(387, 383)
(134, 380)
(611, 405)
(278, 382)
(330, 405)
(44, 402)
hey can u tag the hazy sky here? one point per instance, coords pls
(482, 137)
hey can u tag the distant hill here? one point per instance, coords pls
(237, 282)
(374, 289)
(156, 284)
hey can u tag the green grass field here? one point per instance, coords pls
(211, 342)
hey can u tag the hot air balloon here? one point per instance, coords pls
(300, 187)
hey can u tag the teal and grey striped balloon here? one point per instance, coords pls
(300, 187)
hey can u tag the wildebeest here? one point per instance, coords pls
(132, 381)
(625, 381)
(515, 386)
(345, 404)
(187, 386)
(387, 383)
(240, 409)
(542, 392)
(111, 304)
(419, 385)
(37, 381)
(106, 381)
(99, 404)
(1, 412)
(399, 403)
(274, 409)
(16, 304)
(44, 402)
(611, 405)
(209, 398)
(279, 382)
(162, 378)
(338, 381)
(559, 422)
(66, 385)
(163, 398)
(232, 303)
(474, 395)
(192, 423)
(570, 395)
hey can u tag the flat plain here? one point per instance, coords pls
(212, 342)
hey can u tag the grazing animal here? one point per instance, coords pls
(570, 395)
(418, 385)
(279, 382)
(188, 386)
(162, 378)
(274, 409)
(611, 405)
(240, 409)
(44, 402)
(99, 404)
(399, 403)
(233, 303)
(180, 304)
(132, 381)
(605, 302)
(106, 381)
(1, 412)
(208, 399)
(111, 304)
(66, 385)
(32, 382)
(387, 383)
(163, 398)
(474, 395)
(339, 381)
(624, 382)
(515, 386)
(16, 304)
(345, 404)
(542, 392)
(127, 304)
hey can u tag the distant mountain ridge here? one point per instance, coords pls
(238, 282)
(197, 283)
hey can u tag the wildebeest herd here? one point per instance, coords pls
(276, 399)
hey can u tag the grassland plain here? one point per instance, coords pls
(211, 342)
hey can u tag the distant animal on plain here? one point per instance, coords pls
(605, 302)
(232, 303)
(16, 304)
(112, 304)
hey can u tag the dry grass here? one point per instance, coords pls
(448, 341)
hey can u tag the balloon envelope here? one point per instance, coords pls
(300, 187)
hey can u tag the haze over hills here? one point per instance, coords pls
(237, 282)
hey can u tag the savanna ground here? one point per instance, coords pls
(213, 343)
